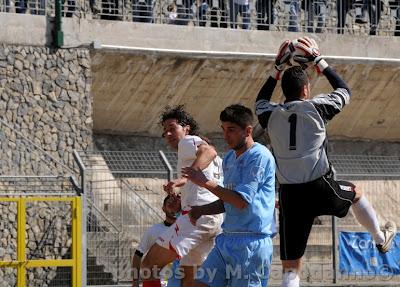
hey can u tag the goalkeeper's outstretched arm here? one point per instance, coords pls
(335, 80)
(263, 101)
(329, 105)
(263, 105)
(267, 89)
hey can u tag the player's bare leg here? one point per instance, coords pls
(188, 279)
(199, 284)
(291, 271)
(157, 256)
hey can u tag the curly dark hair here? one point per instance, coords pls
(181, 116)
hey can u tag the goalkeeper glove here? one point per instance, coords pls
(282, 59)
(311, 52)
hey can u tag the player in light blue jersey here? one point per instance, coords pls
(243, 252)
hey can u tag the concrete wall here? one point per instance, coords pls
(36, 30)
(130, 91)
(130, 87)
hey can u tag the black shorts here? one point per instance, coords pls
(299, 204)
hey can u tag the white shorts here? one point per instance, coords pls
(191, 243)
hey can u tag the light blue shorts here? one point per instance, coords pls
(238, 260)
(174, 281)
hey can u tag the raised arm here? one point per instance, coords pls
(264, 107)
(205, 154)
(327, 105)
(335, 80)
(312, 55)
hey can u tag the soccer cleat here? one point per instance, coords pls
(389, 231)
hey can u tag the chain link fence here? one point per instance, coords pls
(125, 191)
(124, 194)
(378, 178)
(124, 197)
(48, 230)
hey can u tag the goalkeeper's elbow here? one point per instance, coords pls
(347, 89)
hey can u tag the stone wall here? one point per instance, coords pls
(45, 99)
(45, 109)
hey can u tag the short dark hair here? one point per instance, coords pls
(238, 114)
(293, 81)
(166, 198)
(181, 116)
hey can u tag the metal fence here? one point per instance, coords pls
(124, 195)
(378, 177)
(125, 191)
(39, 232)
(374, 17)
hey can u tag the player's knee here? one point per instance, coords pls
(146, 263)
(148, 260)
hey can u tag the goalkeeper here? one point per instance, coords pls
(297, 129)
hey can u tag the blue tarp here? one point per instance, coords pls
(359, 256)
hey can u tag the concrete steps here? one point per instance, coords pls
(96, 275)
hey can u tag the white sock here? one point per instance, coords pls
(366, 216)
(290, 279)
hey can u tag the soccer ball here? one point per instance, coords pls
(297, 54)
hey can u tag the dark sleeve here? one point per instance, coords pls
(335, 80)
(329, 105)
(264, 107)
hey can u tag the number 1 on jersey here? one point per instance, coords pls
(293, 123)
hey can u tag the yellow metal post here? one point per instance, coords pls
(21, 258)
(76, 242)
(21, 264)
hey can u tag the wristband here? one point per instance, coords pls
(320, 64)
(276, 74)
